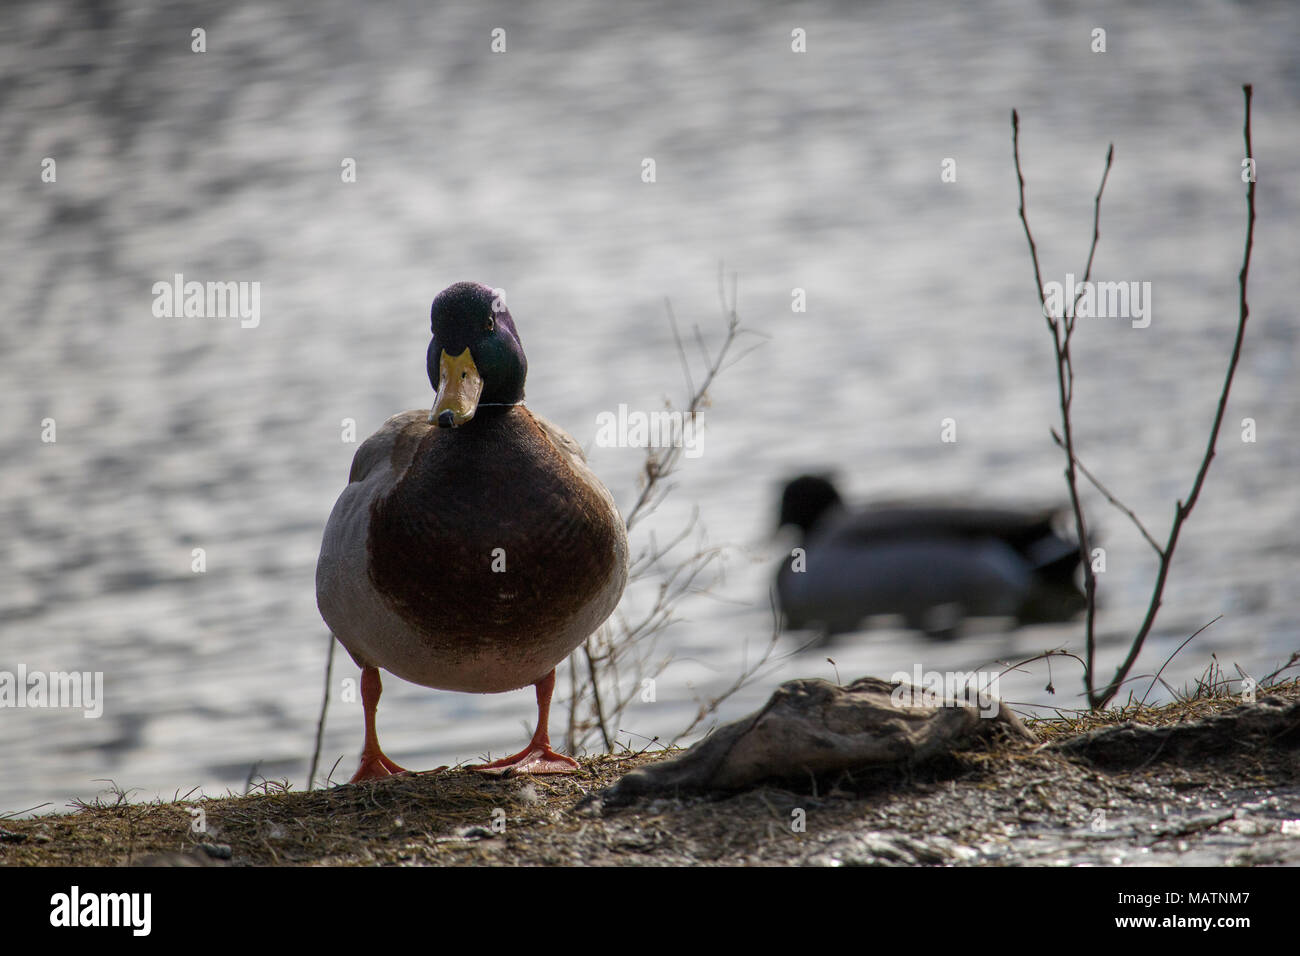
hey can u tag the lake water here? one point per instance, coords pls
(817, 171)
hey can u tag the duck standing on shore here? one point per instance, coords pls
(473, 549)
(932, 564)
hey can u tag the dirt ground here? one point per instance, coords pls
(1208, 782)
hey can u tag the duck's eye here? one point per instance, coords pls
(491, 324)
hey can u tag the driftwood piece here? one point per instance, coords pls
(813, 727)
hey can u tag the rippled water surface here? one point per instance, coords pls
(815, 171)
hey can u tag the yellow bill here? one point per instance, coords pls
(459, 388)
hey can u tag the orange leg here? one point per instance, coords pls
(537, 757)
(374, 764)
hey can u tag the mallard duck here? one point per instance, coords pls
(473, 549)
(933, 564)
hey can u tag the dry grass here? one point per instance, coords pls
(424, 818)
(458, 817)
(1210, 695)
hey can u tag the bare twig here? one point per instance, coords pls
(1062, 329)
(595, 695)
(659, 466)
(681, 352)
(1096, 234)
(1096, 483)
(599, 692)
(1184, 509)
(1033, 246)
(1044, 656)
(747, 674)
(324, 705)
(627, 646)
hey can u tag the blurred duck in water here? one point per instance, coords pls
(933, 564)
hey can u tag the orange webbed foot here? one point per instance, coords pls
(375, 766)
(534, 759)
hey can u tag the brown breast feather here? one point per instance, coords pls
(499, 483)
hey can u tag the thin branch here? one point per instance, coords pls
(1096, 236)
(1066, 362)
(1096, 483)
(1182, 510)
(747, 673)
(1243, 314)
(628, 647)
(571, 729)
(1044, 656)
(595, 694)
(1062, 329)
(1033, 246)
(324, 705)
(699, 344)
(657, 466)
(681, 352)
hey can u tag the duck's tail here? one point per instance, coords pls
(1054, 558)
(1056, 595)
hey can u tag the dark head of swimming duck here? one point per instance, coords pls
(806, 500)
(475, 358)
